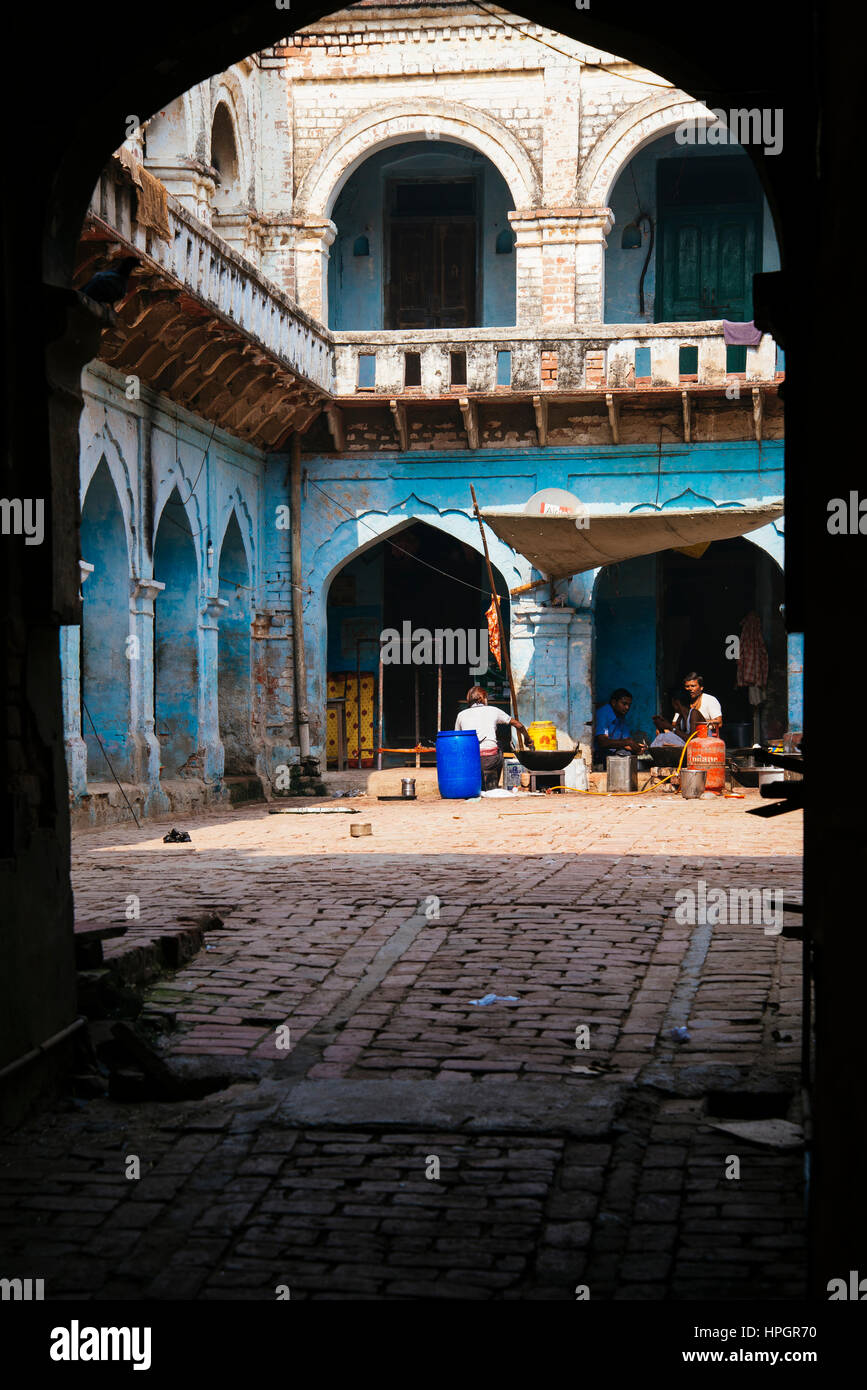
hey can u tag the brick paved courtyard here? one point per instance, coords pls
(409, 1143)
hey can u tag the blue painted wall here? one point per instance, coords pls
(105, 665)
(175, 651)
(234, 668)
(355, 283)
(623, 268)
(363, 618)
(625, 613)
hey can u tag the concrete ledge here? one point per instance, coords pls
(582, 1108)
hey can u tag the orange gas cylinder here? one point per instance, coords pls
(710, 754)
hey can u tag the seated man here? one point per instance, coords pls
(483, 719)
(612, 733)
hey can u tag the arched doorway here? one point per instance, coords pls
(659, 616)
(694, 220)
(107, 648)
(234, 663)
(423, 241)
(418, 581)
(176, 642)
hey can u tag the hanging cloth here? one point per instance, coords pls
(494, 634)
(753, 659)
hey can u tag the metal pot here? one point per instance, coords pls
(622, 773)
(407, 787)
(535, 761)
(692, 782)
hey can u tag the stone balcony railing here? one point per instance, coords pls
(422, 362)
(202, 263)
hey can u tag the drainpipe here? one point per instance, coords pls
(300, 664)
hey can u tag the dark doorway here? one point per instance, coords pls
(392, 585)
(432, 242)
(702, 603)
(710, 239)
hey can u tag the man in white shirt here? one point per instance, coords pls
(708, 707)
(483, 719)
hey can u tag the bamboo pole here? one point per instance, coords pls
(495, 596)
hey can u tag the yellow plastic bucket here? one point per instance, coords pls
(544, 736)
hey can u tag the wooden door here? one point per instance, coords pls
(433, 273)
(708, 263)
(709, 239)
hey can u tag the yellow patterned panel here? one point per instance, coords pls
(346, 684)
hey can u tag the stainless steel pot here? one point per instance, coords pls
(692, 782)
(622, 773)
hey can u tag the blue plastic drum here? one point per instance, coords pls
(459, 764)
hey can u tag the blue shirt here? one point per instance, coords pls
(610, 724)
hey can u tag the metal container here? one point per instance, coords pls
(622, 772)
(692, 782)
(511, 773)
(767, 775)
(407, 786)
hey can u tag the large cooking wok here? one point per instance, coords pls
(541, 761)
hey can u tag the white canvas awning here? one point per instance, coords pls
(557, 547)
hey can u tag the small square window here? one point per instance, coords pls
(458, 368)
(412, 369)
(736, 359)
(688, 361)
(366, 371)
(642, 361)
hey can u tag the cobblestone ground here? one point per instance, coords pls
(409, 1143)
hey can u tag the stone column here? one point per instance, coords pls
(560, 265)
(242, 230)
(594, 224)
(209, 710)
(190, 181)
(145, 753)
(70, 666)
(540, 652)
(312, 238)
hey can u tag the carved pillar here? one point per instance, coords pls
(560, 265)
(70, 666)
(209, 709)
(243, 231)
(543, 655)
(190, 181)
(146, 749)
(594, 224)
(312, 238)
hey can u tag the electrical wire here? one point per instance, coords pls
(427, 565)
(108, 760)
(580, 791)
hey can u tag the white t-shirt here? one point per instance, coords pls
(710, 707)
(483, 719)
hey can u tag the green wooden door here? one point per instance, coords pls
(708, 263)
(710, 224)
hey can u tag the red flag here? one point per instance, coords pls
(494, 634)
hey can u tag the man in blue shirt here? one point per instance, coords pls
(612, 731)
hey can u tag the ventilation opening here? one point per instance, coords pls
(688, 361)
(642, 363)
(504, 367)
(458, 368)
(366, 371)
(736, 359)
(412, 369)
